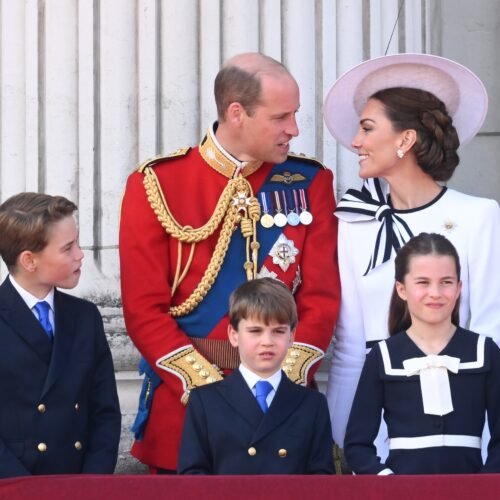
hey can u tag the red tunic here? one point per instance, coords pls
(148, 258)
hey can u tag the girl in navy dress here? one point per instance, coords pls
(434, 380)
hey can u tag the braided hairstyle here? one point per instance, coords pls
(437, 140)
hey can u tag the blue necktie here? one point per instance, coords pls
(42, 308)
(262, 389)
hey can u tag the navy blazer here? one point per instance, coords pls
(225, 431)
(385, 385)
(59, 411)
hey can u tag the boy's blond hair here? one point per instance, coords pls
(265, 299)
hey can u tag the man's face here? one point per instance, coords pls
(266, 134)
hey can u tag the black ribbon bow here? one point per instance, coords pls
(371, 203)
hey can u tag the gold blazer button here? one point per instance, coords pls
(41, 408)
(282, 453)
(42, 447)
(78, 445)
(252, 451)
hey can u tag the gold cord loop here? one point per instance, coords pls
(236, 205)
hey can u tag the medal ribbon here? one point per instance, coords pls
(292, 200)
(202, 320)
(303, 199)
(263, 199)
(278, 204)
(285, 204)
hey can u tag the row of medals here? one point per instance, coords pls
(280, 219)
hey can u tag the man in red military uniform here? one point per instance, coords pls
(197, 223)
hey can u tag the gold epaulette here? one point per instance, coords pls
(307, 159)
(157, 159)
(191, 367)
(299, 359)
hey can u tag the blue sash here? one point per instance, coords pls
(201, 321)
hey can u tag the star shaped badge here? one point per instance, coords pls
(449, 225)
(266, 273)
(241, 201)
(283, 252)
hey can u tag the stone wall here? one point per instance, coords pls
(88, 88)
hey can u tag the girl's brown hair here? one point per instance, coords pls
(423, 244)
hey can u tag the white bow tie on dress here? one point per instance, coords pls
(434, 381)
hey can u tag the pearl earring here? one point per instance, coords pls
(400, 153)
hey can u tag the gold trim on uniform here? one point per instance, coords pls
(229, 212)
(299, 359)
(152, 161)
(222, 161)
(287, 178)
(191, 367)
(307, 159)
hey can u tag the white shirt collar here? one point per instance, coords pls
(252, 378)
(30, 299)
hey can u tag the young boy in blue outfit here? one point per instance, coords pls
(256, 421)
(60, 412)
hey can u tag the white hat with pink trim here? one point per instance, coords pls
(461, 90)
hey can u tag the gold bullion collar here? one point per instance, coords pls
(222, 161)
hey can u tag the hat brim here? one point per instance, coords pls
(462, 92)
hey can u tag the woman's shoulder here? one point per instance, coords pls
(468, 201)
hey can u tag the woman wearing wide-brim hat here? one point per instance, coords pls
(405, 116)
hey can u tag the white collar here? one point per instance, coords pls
(29, 298)
(252, 378)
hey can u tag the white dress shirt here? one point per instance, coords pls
(252, 378)
(31, 301)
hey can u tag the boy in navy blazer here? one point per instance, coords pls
(235, 427)
(59, 411)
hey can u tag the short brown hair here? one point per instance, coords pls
(437, 140)
(240, 80)
(24, 222)
(266, 299)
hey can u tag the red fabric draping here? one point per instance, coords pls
(123, 487)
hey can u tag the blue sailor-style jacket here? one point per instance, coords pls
(225, 431)
(421, 443)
